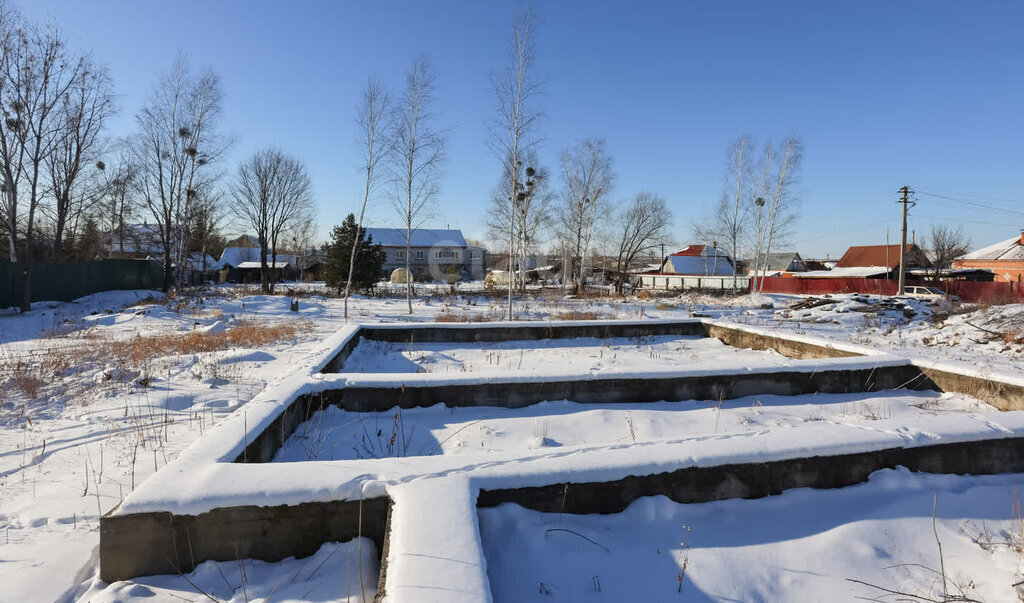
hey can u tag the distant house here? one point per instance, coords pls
(780, 263)
(240, 261)
(818, 265)
(887, 256)
(871, 261)
(699, 260)
(1005, 259)
(434, 254)
(882, 260)
(133, 240)
(246, 248)
(702, 267)
(200, 267)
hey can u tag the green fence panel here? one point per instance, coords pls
(66, 282)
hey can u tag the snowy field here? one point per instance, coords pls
(803, 545)
(97, 395)
(334, 434)
(583, 355)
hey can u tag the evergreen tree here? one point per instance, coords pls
(88, 245)
(369, 257)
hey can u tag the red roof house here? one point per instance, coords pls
(887, 256)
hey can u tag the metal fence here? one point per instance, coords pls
(65, 282)
(669, 282)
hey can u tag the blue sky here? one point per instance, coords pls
(883, 93)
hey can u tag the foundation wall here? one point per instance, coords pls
(162, 543)
(787, 347)
(755, 480)
(617, 390)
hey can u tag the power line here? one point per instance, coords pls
(972, 196)
(959, 220)
(974, 203)
(854, 229)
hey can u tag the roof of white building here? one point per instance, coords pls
(421, 237)
(1010, 249)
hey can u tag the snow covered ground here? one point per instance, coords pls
(86, 415)
(803, 545)
(334, 434)
(582, 355)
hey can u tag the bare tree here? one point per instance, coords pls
(732, 216)
(118, 198)
(588, 177)
(375, 138)
(207, 220)
(530, 214)
(36, 72)
(272, 192)
(643, 225)
(776, 196)
(419, 151)
(84, 112)
(947, 244)
(174, 150)
(513, 134)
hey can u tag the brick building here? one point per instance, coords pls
(1005, 259)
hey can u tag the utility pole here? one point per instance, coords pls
(903, 237)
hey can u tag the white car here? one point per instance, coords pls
(932, 293)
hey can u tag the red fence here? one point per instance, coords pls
(968, 291)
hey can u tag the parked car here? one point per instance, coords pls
(932, 293)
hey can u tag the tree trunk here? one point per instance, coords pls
(58, 238)
(264, 277)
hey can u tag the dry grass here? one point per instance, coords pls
(446, 317)
(30, 374)
(467, 317)
(140, 350)
(583, 315)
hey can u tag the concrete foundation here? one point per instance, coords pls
(162, 543)
(755, 480)
(615, 390)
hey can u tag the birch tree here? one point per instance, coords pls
(513, 133)
(174, 150)
(732, 216)
(776, 197)
(588, 179)
(642, 226)
(375, 122)
(419, 151)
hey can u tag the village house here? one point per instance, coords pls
(434, 254)
(1005, 259)
(240, 262)
(699, 260)
(694, 267)
(780, 263)
(872, 261)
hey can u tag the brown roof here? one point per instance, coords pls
(694, 251)
(882, 255)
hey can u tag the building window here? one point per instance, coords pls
(399, 255)
(446, 254)
(419, 254)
